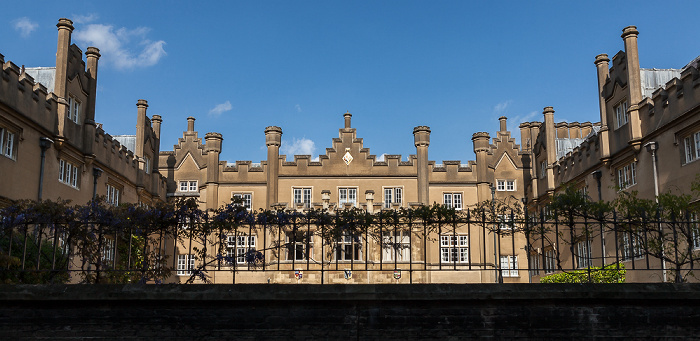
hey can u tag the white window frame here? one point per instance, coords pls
(7, 143)
(543, 169)
(534, 264)
(347, 249)
(627, 175)
(691, 146)
(185, 264)
(247, 199)
(396, 244)
(68, 173)
(188, 186)
(695, 231)
(504, 222)
(302, 195)
(347, 195)
(634, 251)
(584, 256)
(113, 195)
(454, 248)
(509, 266)
(107, 249)
(74, 106)
(550, 261)
(453, 200)
(621, 115)
(147, 164)
(239, 246)
(392, 195)
(505, 185)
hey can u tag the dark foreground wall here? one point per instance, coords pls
(342, 312)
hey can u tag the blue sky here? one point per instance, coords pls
(455, 66)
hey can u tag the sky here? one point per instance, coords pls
(455, 66)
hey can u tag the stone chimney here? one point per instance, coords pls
(273, 140)
(141, 106)
(634, 83)
(421, 136)
(602, 66)
(156, 122)
(93, 56)
(503, 121)
(550, 133)
(347, 116)
(213, 150)
(65, 29)
(190, 124)
(480, 140)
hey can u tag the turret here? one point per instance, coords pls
(273, 140)
(421, 136)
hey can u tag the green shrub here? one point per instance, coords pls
(613, 273)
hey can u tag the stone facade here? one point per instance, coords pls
(52, 146)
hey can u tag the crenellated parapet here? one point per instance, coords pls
(21, 93)
(672, 100)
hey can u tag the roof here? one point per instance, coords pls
(128, 141)
(44, 75)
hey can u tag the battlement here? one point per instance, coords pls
(671, 100)
(21, 92)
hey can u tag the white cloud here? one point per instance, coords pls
(25, 26)
(523, 118)
(297, 107)
(220, 108)
(115, 47)
(84, 19)
(500, 108)
(302, 146)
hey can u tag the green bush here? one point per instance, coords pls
(607, 274)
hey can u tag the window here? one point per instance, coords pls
(691, 144)
(534, 264)
(631, 246)
(454, 248)
(107, 250)
(347, 196)
(112, 195)
(299, 246)
(509, 266)
(504, 222)
(392, 196)
(7, 143)
(452, 200)
(505, 185)
(621, 116)
(73, 109)
(189, 186)
(246, 198)
(68, 173)
(147, 165)
(627, 175)
(302, 196)
(543, 169)
(695, 230)
(396, 244)
(348, 248)
(583, 254)
(239, 247)
(550, 261)
(185, 264)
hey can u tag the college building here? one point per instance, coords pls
(647, 139)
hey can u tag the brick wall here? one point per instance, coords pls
(349, 311)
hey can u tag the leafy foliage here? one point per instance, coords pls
(611, 273)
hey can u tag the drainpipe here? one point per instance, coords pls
(96, 173)
(44, 143)
(651, 148)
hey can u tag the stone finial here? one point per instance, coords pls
(93, 52)
(142, 103)
(156, 119)
(548, 110)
